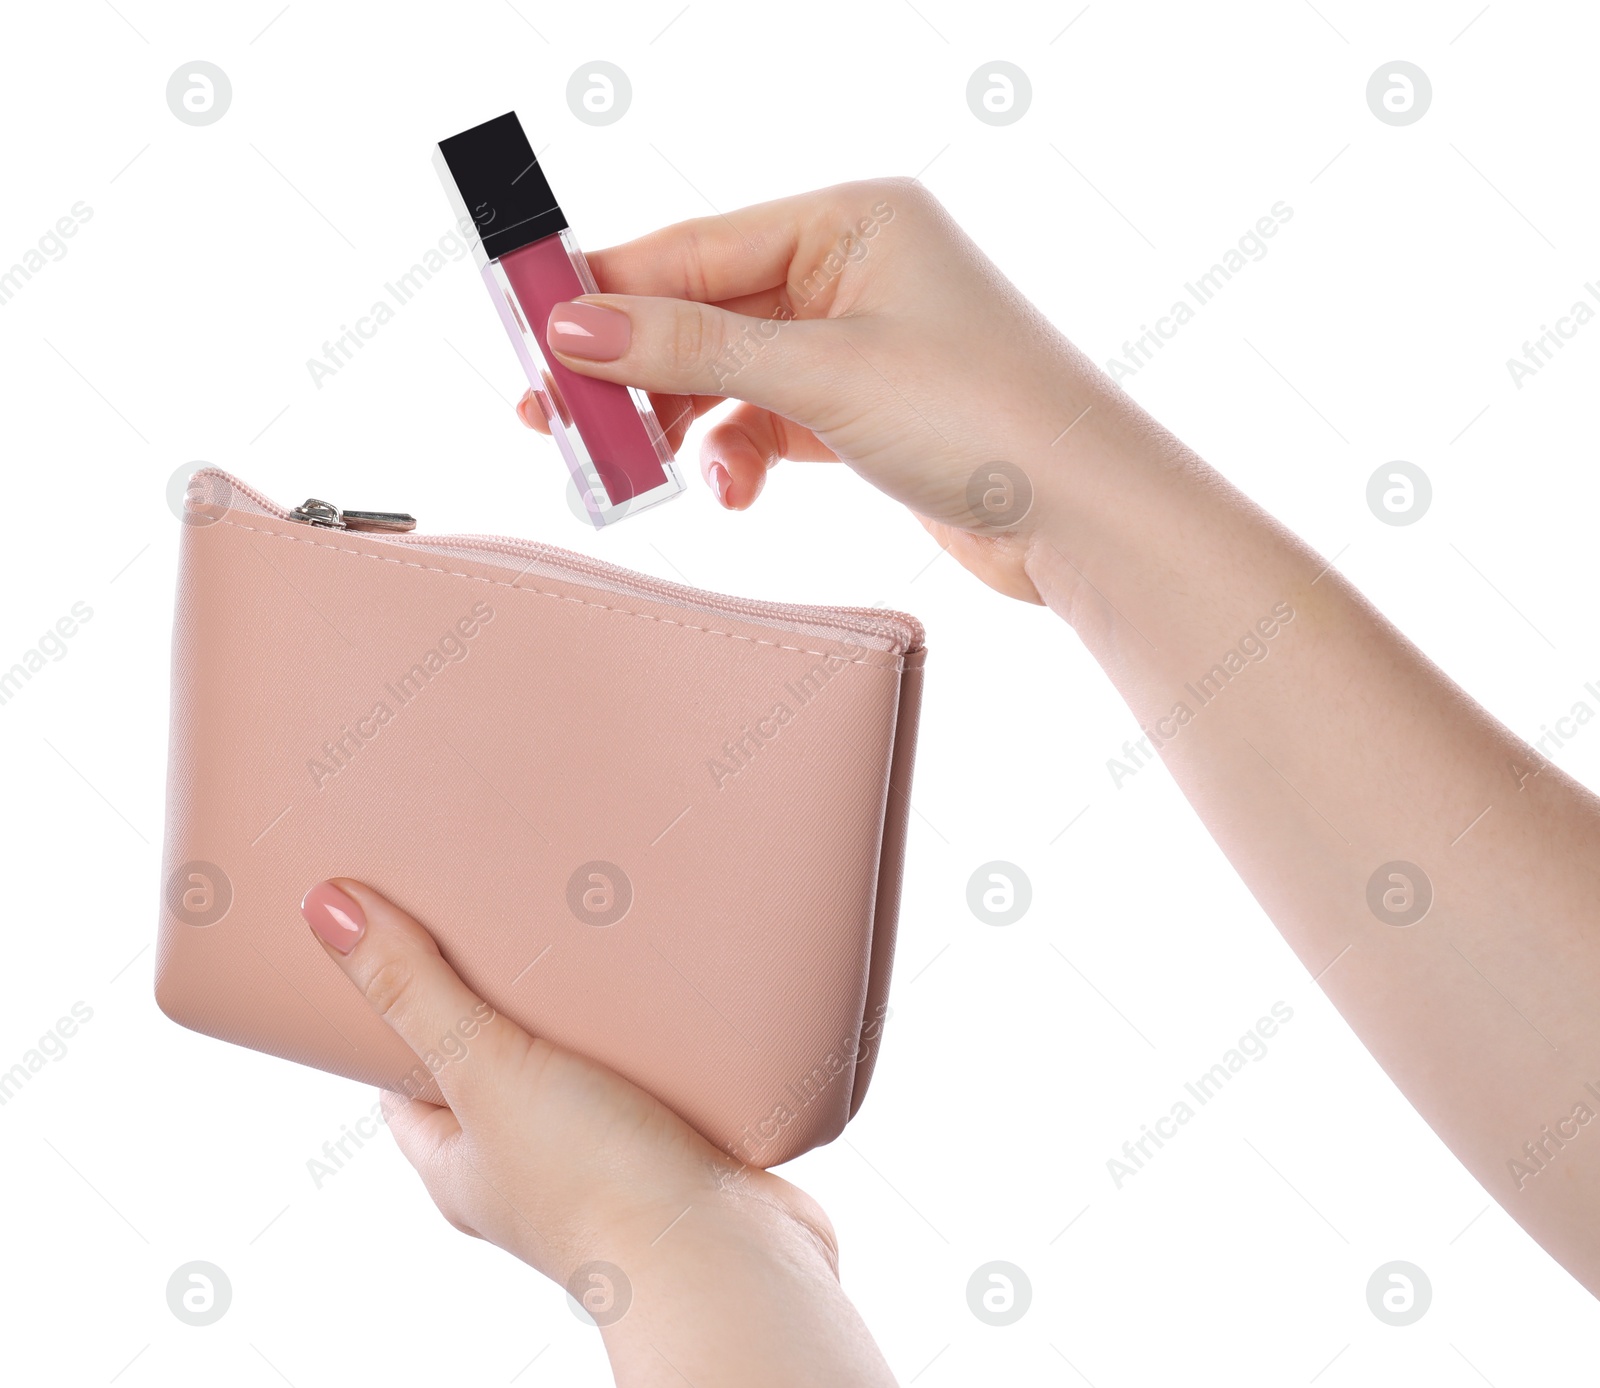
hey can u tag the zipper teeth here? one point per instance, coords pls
(901, 627)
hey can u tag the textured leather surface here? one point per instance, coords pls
(464, 735)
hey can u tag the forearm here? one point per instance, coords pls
(1318, 746)
(739, 1295)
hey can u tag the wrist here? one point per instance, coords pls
(690, 1229)
(740, 1284)
(1141, 546)
(1106, 493)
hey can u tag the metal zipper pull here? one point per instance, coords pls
(327, 516)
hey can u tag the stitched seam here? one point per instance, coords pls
(559, 597)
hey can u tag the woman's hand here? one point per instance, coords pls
(856, 324)
(682, 1255)
(1345, 764)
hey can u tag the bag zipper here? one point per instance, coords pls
(902, 629)
(330, 517)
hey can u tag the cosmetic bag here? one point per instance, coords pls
(656, 826)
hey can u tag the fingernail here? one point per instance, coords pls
(721, 481)
(528, 409)
(334, 917)
(588, 331)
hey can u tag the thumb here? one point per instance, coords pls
(397, 966)
(680, 347)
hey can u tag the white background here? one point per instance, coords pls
(1017, 1061)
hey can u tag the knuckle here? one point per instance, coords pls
(910, 197)
(695, 341)
(900, 191)
(446, 1199)
(460, 1225)
(391, 987)
(694, 262)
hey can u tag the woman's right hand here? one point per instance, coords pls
(856, 324)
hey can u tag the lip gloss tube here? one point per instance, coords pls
(613, 445)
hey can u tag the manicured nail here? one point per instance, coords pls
(721, 481)
(528, 410)
(588, 331)
(334, 917)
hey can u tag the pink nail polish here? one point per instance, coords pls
(589, 331)
(721, 481)
(610, 437)
(334, 916)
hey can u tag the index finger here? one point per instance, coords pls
(710, 259)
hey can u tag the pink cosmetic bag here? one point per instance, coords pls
(657, 826)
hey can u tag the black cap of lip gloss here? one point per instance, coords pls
(495, 179)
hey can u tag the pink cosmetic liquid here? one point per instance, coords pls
(613, 445)
(543, 275)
